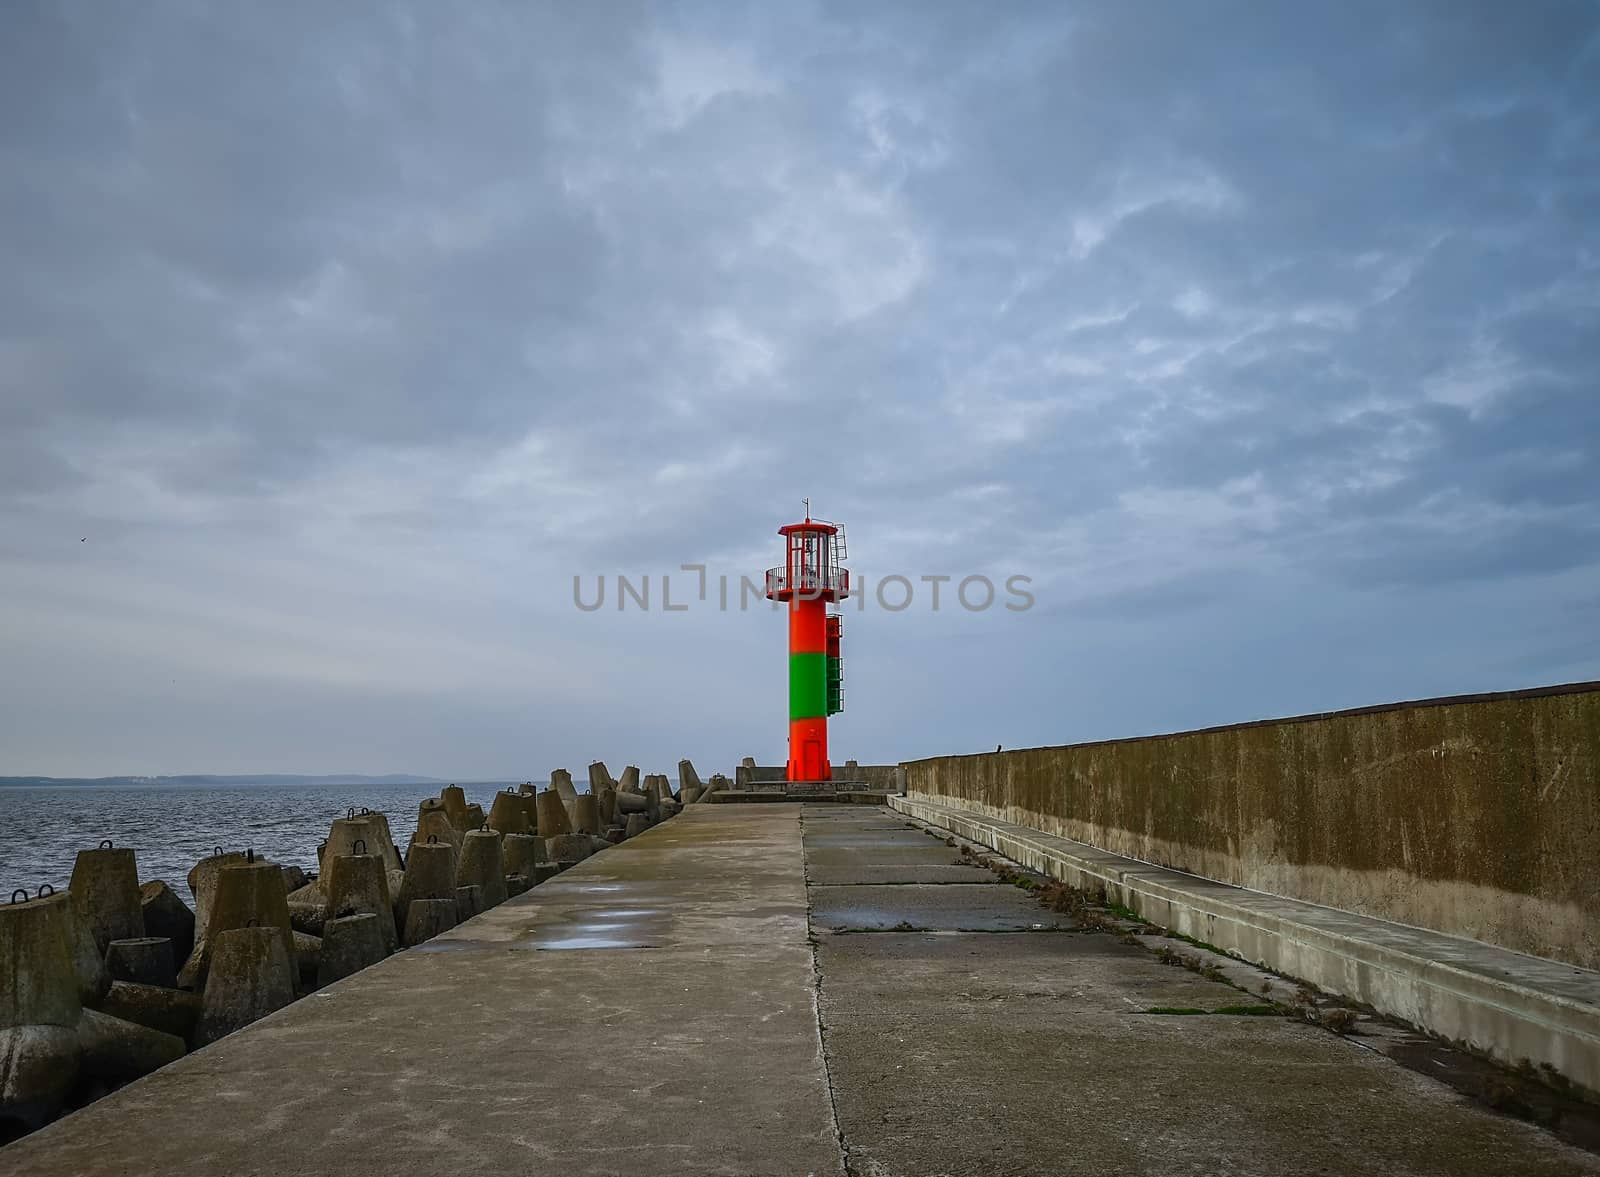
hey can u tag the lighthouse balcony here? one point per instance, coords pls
(784, 584)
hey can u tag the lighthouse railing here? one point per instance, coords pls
(808, 580)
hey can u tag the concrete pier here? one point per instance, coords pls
(785, 989)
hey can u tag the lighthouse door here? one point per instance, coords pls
(810, 760)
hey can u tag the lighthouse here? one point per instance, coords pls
(808, 581)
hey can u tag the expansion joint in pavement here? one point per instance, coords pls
(822, 1029)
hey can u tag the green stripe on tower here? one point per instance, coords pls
(808, 686)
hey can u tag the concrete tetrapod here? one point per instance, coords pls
(553, 818)
(172, 1011)
(600, 777)
(47, 1038)
(638, 823)
(522, 853)
(358, 884)
(475, 816)
(689, 794)
(39, 1010)
(586, 814)
(248, 892)
(88, 961)
(569, 848)
(561, 783)
(370, 829)
(427, 918)
(146, 960)
(167, 915)
(203, 882)
(251, 976)
(630, 780)
(118, 1051)
(508, 814)
(307, 959)
(434, 822)
(430, 874)
(307, 915)
(351, 943)
(607, 798)
(455, 805)
(105, 885)
(483, 866)
(530, 804)
(469, 902)
(687, 776)
(631, 803)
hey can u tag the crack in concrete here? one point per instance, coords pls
(816, 1004)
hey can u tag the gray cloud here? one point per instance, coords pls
(1265, 341)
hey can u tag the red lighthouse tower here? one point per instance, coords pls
(808, 581)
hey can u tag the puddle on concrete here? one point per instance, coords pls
(557, 943)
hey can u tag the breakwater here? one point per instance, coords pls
(1472, 815)
(174, 826)
(117, 975)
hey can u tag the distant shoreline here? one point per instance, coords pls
(210, 781)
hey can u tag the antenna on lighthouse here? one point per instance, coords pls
(807, 502)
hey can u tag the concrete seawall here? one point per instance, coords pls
(1475, 815)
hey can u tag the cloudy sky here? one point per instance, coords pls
(335, 340)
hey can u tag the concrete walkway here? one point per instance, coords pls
(1516, 1007)
(970, 1031)
(655, 1011)
(650, 1011)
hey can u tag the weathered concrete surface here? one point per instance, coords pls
(1512, 1006)
(655, 1010)
(521, 1043)
(980, 1053)
(927, 907)
(1476, 816)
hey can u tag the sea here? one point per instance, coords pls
(171, 827)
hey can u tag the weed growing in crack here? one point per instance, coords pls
(1340, 1021)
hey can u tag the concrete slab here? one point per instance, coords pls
(693, 1050)
(1030, 1054)
(981, 908)
(964, 1053)
(854, 856)
(1511, 1006)
(934, 872)
(857, 838)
